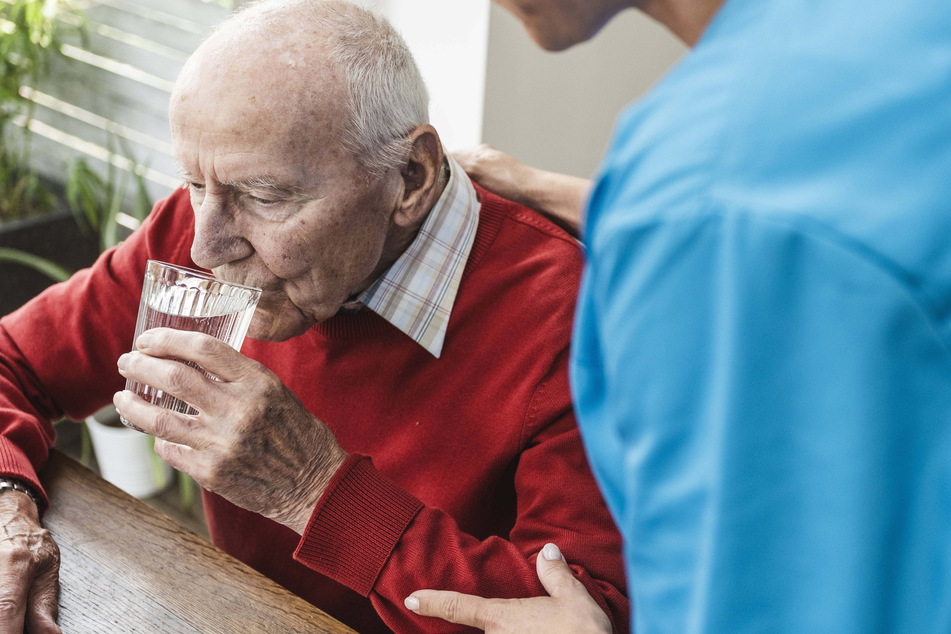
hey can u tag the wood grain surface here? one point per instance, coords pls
(128, 568)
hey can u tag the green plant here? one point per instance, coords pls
(100, 204)
(28, 29)
(29, 39)
(22, 193)
(104, 204)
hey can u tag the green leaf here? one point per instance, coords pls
(48, 268)
(109, 233)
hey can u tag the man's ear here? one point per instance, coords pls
(421, 176)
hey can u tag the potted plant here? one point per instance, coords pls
(126, 457)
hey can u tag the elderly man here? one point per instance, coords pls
(402, 417)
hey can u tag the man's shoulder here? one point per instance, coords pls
(505, 221)
(523, 266)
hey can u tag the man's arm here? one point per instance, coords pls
(559, 196)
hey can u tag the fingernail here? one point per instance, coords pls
(411, 603)
(123, 362)
(551, 552)
(144, 340)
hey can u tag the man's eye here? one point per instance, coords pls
(262, 202)
(196, 187)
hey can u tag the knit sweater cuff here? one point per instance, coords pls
(356, 525)
(15, 464)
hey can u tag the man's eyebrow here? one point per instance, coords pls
(265, 182)
(262, 182)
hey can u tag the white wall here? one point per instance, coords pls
(448, 39)
(556, 110)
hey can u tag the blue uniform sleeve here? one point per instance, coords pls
(765, 404)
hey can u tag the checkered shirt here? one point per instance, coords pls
(417, 293)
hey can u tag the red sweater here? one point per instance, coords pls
(462, 467)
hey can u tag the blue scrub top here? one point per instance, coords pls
(762, 360)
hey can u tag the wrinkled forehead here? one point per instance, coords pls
(237, 79)
(255, 77)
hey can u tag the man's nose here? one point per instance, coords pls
(218, 237)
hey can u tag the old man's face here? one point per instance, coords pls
(279, 202)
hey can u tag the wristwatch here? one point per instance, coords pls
(16, 485)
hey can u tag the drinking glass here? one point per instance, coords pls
(181, 298)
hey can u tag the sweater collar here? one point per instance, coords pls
(417, 293)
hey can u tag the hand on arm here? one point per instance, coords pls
(568, 609)
(252, 442)
(427, 548)
(29, 568)
(558, 196)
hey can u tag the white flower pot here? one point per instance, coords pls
(125, 456)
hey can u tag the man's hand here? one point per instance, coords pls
(569, 609)
(29, 568)
(252, 442)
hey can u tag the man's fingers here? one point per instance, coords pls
(12, 611)
(43, 606)
(213, 355)
(168, 375)
(158, 421)
(555, 575)
(463, 609)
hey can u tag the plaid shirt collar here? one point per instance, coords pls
(417, 293)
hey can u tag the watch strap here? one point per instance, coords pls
(16, 485)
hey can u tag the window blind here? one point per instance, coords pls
(106, 100)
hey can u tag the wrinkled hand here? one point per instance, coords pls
(568, 610)
(252, 442)
(559, 196)
(29, 568)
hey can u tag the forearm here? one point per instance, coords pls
(58, 353)
(560, 196)
(26, 433)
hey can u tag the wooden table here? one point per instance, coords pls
(128, 568)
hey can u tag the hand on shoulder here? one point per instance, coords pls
(559, 196)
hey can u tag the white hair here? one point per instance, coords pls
(386, 95)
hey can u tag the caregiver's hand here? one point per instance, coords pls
(252, 441)
(568, 610)
(558, 196)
